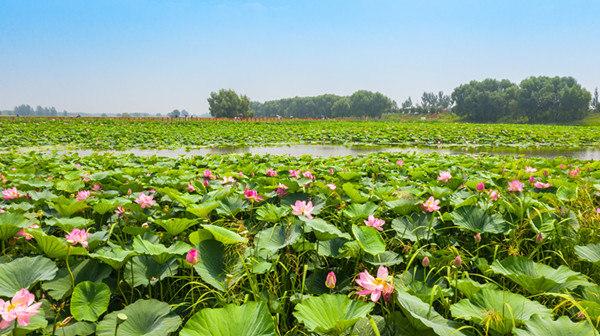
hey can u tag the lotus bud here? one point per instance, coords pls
(331, 171)
(425, 261)
(457, 261)
(539, 238)
(545, 173)
(330, 281)
(145, 225)
(480, 187)
(478, 237)
(531, 179)
(129, 192)
(192, 257)
(206, 183)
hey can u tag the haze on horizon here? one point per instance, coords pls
(145, 56)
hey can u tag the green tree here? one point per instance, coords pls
(490, 100)
(174, 114)
(227, 104)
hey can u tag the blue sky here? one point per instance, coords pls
(156, 56)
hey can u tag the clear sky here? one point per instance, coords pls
(154, 56)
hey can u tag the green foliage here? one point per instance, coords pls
(227, 104)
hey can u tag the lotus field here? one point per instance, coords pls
(380, 244)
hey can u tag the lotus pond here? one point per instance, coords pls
(241, 244)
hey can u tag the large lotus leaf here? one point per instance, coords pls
(249, 319)
(355, 195)
(36, 322)
(218, 265)
(423, 283)
(563, 326)
(358, 210)
(77, 329)
(424, 318)
(184, 199)
(70, 186)
(277, 237)
(104, 206)
(114, 256)
(65, 207)
(11, 223)
(224, 235)
(24, 272)
(333, 248)
(469, 286)
(402, 206)
(474, 219)
(55, 247)
(231, 206)
(68, 224)
(324, 230)
(203, 209)
(546, 223)
(536, 277)
(175, 226)
(498, 309)
(144, 317)
(159, 252)
(590, 252)
(331, 314)
(87, 270)
(567, 193)
(41, 195)
(417, 226)
(143, 270)
(588, 298)
(271, 213)
(89, 301)
(199, 235)
(386, 258)
(369, 239)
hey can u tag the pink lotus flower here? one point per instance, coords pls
(425, 261)
(303, 208)
(294, 173)
(120, 211)
(144, 200)
(541, 185)
(228, 179)
(82, 195)
(494, 195)
(530, 169)
(78, 236)
(431, 205)
(515, 185)
(190, 188)
(539, 238)
(271, 173)
(330, 280)
(20, 307)
(252, 195)
(331, 186)
(331, 171)
(444, 176)
(531, 179)
(457, 261)
(480, 187)
(375, 287)
(477, 237)
(400, 163)
(308, 174)
(574, 172)
(209, 174)
(11, 193)
(375, 222)
(27, 236)
(281, 190)
(96, 187)
(192, 257)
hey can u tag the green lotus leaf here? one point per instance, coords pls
(369, 239)
(271, 213)
(186, 200)
(358, 210)
(55, 247)
(422, 317)
(249, 319)
(331, 314)
(324, 230)
(224, 235)
(355, 195)
(203, 209)
(219, 266)
(561, 327)
(277, 237)
(402, 206)
(66, 207)
(70, 186)
(415, 227)
(104, 206)
(567, 193)
(423, 283)
(590, 252)
(159, 252)
(536, 277)
(144, 317)
(199, 235)
(77, 329)
(498, 310)
(175, 226)
(143, 270)
(231, 206)
(86, 270)
(68, 224)
(114, 256)
(11, 223)
(24, 272)
(468, 286)
(333, 247)
(386, 258)
(89, 300)
(474, 219)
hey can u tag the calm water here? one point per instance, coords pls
(332, 150)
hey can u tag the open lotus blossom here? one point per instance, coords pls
(252, 195)
(375, 222)
(331, 186)
(431, 205)
(494, 195)
(11, 193)
(294, 173)
(27, 236)
(145, 201)
(515, 185)
(2, 211)
(271, 173)
(20, 307)
(574, 172)
(78, 236)
(82, 195)
(190, 188)
(281, 190)
(209, 174)
(330, 280)
(375, 287)
(309, 175)
(96, 187)
(303, 208)
(444, 176)
(192, 257)
(228, 179)
(400, 163)
(530, 169)
(541, 185)
(120, 211)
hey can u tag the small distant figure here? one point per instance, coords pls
(78, 116)
(17, 115)
(278, 117)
